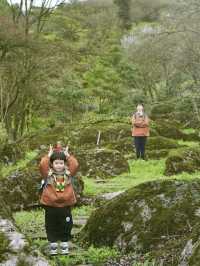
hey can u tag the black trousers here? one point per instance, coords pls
(140, 143)
(58, 223)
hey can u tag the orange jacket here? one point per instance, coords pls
(140, 126)
(50, 196)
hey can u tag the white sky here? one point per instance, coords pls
(38, 2)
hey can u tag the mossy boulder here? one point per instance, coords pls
(191, 136)
(101, 163)
(15, 250)
(156, 217)
(157, 154)
(76, 135)
(168, 129)
(123, 145)
(183, 160)
(172, 129)
(21, 188)
(160, 143)
(109, 131)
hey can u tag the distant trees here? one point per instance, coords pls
(124, 7)
(71, 59)
(23, 66)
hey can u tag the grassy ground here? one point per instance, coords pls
(32, 223)
(140, 171)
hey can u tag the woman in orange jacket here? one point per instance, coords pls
(140, 131)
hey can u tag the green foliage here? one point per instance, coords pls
(100, 255)
(124, 12)
(103, 83)
(3, 134)
(4, 7)
(82, 211)
(31, 223)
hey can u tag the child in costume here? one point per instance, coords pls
(57, 169)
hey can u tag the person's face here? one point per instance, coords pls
(140, 108)
(58, 165)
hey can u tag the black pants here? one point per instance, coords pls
(140, 146)
(58, 223)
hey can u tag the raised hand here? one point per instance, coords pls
(50, 150)
(66, 152)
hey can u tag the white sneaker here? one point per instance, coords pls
(64, 248)
(53, 248)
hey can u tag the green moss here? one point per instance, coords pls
(157, 154)
(22, 261)
(4, 246)
(183, 160)
(101, 163)
(147, 218)
(160, 143)
(168, 129)
(108, 132)
(124, 145)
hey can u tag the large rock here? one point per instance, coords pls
(160, 143)
(101, 163)
(123, 145)
(109, 132)
(171, 129)
(157, 217)
(15, 250)
(183, 160)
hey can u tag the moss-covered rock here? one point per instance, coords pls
(155, 217)
(20, 189)
(123, 145)
(183, 160)
(160, 143)
(109, 132)
(172, 129)
(101, 163)
(191, 137)
(167, 129)
(15, 250)
(157, 154)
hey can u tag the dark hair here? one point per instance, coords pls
(140, 104)
(58, 156)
